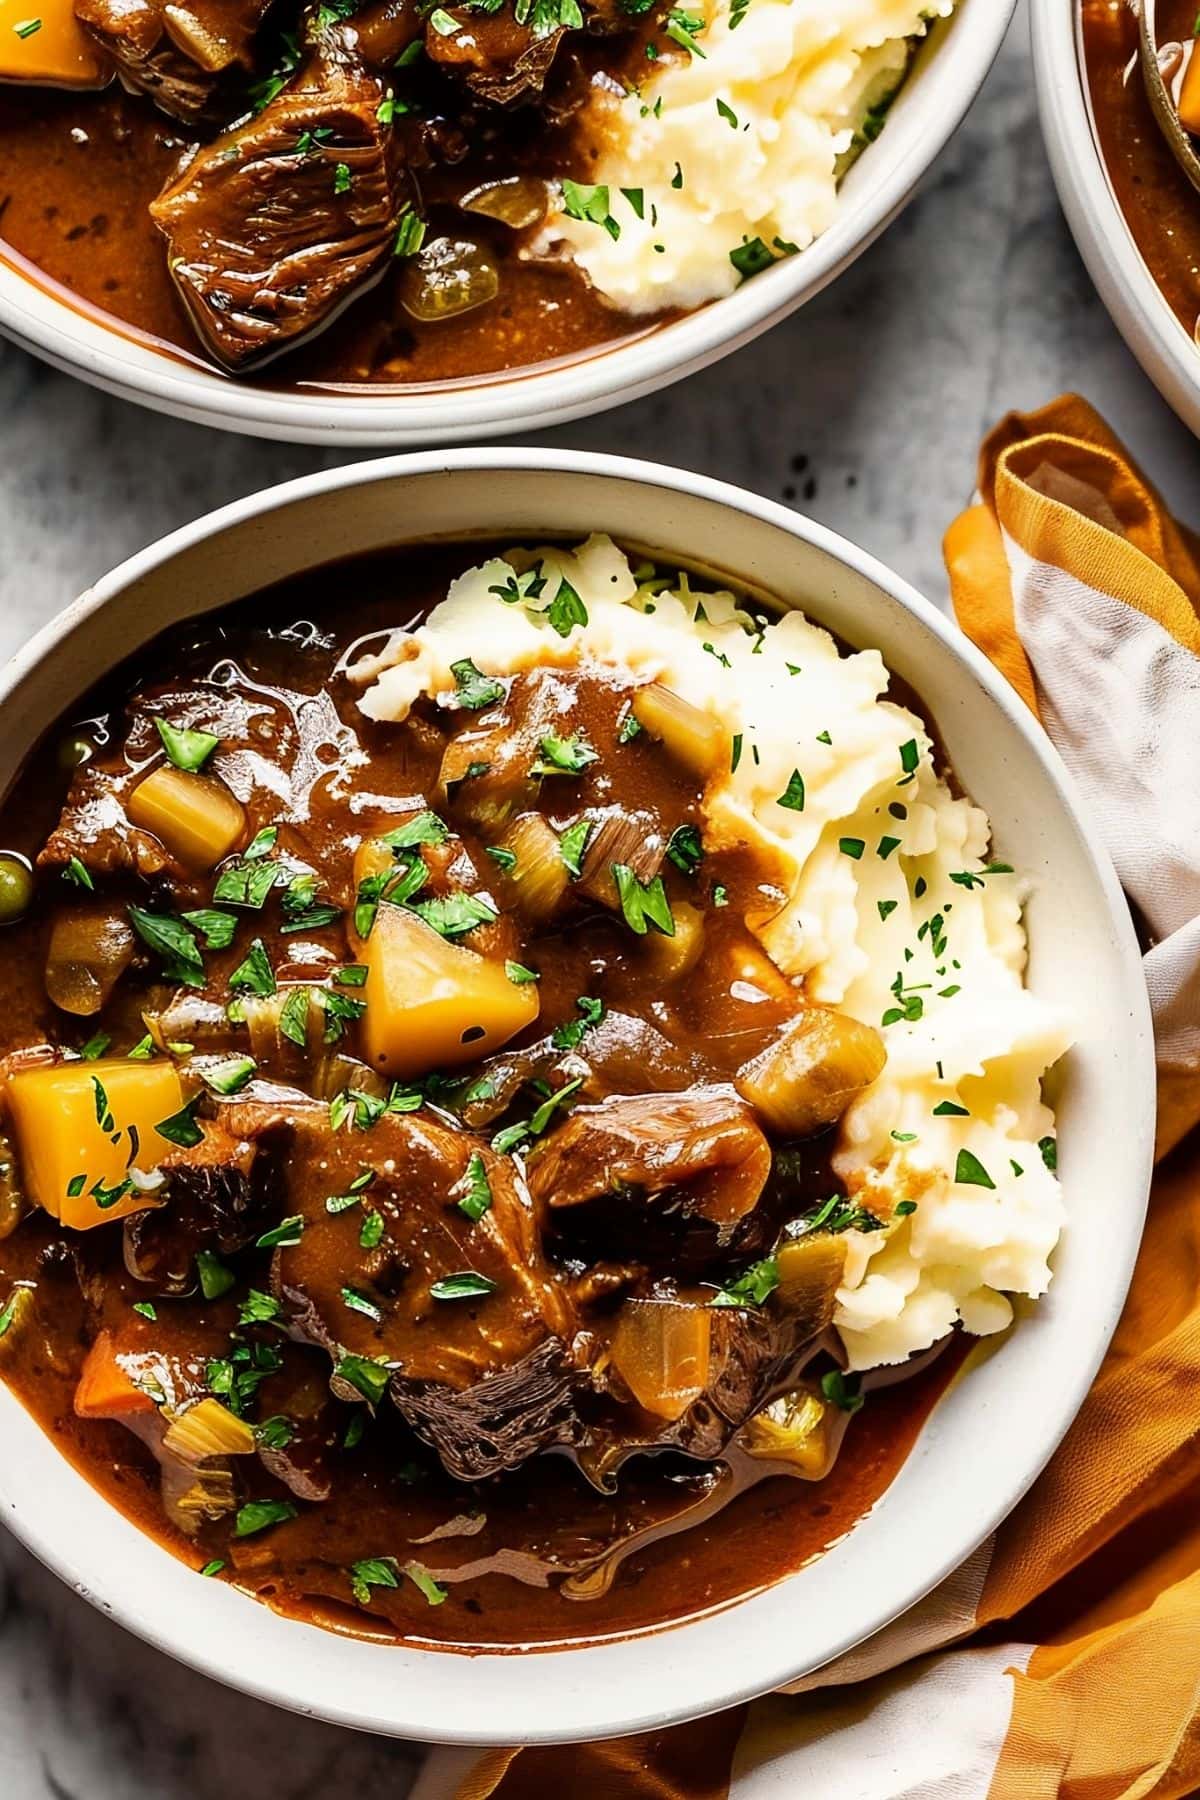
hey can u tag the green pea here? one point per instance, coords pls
(16, 886)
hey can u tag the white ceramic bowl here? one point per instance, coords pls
(950, 69)
(994, 1429)
(1164, 348)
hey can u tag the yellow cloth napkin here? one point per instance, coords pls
(1075, 1667)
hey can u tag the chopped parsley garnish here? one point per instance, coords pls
(885, 847)
(258, 1308)
(214, 1567)
(26, 28)
(842, 1391)
(685, 848)
(477, 1197)
(569, 1036)
(543, 16)
(341, 178)
(465, 1286)
(629, 728)
(643, 903)
(370, 1232)
(736, 755)
(356, 1107)
(967, 878)
(283, 1236)
(443, 23)
(573, 844)
(229, 1076)
(173, 942)
(682, 28)
(751, 257)
(79, 876)
(753, 1286)
(95, 1046)
(474, 690)
(146, 1309)
(398, 886)
(503, 858)
(372, 1571)
(277, 1432)
(852, 847)
(550, 1106)
(950, 1109)
(216, 928)
(293, 1016)
(589, 203)
(215, 1278)
(421, 1579)
(254, 973)
(188, 750)
(566, 610)
(970, 1172)
(247, 880)
(1049, 1149)
(564, 755)
(793, 794)
(727, 113)
(257, 1515)
(886, 907)
(909, 757)
(181, 1128)
(909, 1005)
(453, 915)
(366, 1375)
(519, 975)
(302, 910)
(360, 1304)
(410, 234)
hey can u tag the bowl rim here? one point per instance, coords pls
(755, 1673)
(1098, 224)
(102, 354)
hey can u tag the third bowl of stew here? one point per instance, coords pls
(576, 1096)
(391, 223)
(1119, 93)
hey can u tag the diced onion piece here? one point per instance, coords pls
(660, 1349)
(208, 1429)
(193, 37)
(539, 876)
(1189, 94)
(672, 957)
(518, 201)
(446, 277)
(12, 1200)
(195, 816)
(433, 1004)
(694, 738)
(190, 1496)
(65, 1119)
(90, 948)
(807, 1078)
(799, 1429)
(810, 1270)
(16, 1309)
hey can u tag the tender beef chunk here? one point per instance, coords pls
(618, 1055)
(94, 829)
(215, 1198)
(483, 1378)
(704, 1147)
(499, 1422)
(501, 61)
(180, 54)
(267, 238)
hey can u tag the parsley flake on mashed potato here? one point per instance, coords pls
(893, 907)
(730, 153)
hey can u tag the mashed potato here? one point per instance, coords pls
(731, 153)
(893, 909)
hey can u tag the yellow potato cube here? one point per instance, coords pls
(43, 43)
(433, 1004)
(196, 817)
(79, 1127)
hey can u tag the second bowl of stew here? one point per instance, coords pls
(568, 1074)
(390, 222)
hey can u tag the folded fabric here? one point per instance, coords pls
(1062, 1662)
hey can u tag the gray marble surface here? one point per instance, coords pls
(865, 410)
